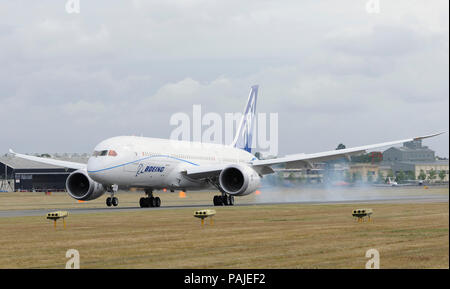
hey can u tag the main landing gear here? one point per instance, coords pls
(150, 201)
(223, 200)
(112, 201)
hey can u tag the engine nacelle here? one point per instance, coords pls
(239, 180)
(81, 187)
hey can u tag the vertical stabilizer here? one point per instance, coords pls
(243, 138)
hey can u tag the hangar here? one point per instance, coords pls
(23, 175)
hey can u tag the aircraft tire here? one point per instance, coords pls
(230, 200)
(151, 202)
(157, 202)
(143, 202)
(108, 201)
(217, 200)
(225, 200)
(115, 201)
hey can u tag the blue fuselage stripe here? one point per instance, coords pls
(158, 156)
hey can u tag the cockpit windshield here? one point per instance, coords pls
(111, 153)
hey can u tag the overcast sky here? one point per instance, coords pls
(332, 71)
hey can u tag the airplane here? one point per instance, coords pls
(407, 183)
(391, 182)
(154, 164)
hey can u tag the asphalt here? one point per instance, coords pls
(43, 212)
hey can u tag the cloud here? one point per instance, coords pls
(124, 67)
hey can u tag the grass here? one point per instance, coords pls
(412, 235)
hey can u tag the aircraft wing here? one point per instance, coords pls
(263, 167)
(302, 160)
(59, 163)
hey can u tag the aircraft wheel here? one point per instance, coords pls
(230, 200)
(115, 201)
(157, 202)
(225, 200)
(151, 202)
(108, 202)
(217, 200)
(143, 202)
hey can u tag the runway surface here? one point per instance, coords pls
(43, 212)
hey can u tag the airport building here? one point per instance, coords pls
(365, 172)
(426, 167)
(413, 157)
(410, 152)
(18, 174)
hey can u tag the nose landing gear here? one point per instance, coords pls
(112, 201)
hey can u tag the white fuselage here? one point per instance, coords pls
(157, 163)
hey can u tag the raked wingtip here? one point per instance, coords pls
(428, 136)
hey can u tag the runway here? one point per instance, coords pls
(43, 212)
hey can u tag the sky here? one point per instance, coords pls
(334, 71)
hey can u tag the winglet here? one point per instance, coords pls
(428, 136)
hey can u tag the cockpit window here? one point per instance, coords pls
(111, 153)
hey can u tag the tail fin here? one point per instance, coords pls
(243, 138)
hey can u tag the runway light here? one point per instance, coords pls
(258, 193)
(202, 214)
(58, 215)
(80, 201)
(361, 213)
(182, 194)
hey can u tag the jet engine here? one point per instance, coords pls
(239, 180)
(81, 187)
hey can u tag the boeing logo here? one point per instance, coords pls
(148, 169)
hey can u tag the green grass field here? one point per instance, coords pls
(412, 235)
